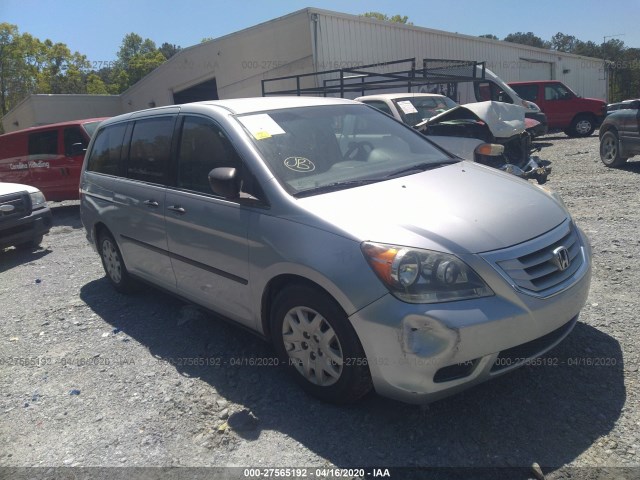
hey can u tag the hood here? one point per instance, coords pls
(6, 188)
(503, 119)
(459, 208)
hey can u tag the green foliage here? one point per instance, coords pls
(489, 35)
(95, 85)
(385, 18)
(168, 50)
(29, 65)
(528, 38)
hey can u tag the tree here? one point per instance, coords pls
(563, 43)
(95, 85)
(489, 36)
(528, 38)
(136, 58)
(168, 50)
(385, 18)
(20, 57)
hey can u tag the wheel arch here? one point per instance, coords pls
(98, 228)
(586, 114)
(279, 283)
(607, 128)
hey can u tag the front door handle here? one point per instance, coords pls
(178, 209)
(151, 203)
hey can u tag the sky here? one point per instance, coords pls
(96, 28)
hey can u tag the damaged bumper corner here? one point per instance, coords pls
(420, 353)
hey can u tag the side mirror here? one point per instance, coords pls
(224, 181)
(77, 149)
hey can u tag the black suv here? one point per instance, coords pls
(620, 133)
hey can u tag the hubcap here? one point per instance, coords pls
(313, 346)
(609, 149)
(111, 260)
(583, 127)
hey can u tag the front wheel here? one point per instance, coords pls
(313, 337)
(582, 126)
(610, 150)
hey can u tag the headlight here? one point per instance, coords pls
(531, 106)
(37, 199)
(423, 276)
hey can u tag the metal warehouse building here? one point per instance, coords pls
(306, 41)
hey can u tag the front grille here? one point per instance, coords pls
(20, 202)
(536, 271)
(519, 354)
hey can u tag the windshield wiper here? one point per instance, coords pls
(332, 187)
(421, 167)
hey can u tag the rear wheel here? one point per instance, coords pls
(582, 126)
(610, 150)
(313, 337)
(113, 264)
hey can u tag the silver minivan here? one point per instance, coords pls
(370, 257)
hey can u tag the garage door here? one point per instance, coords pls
(534, 70)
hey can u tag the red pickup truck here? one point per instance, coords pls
(576, 116)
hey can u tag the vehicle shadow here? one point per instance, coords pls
(631, 166)
(13, 257)
(547, 414)
(66, 215)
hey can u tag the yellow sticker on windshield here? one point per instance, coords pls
(262, 135)
(261, 126)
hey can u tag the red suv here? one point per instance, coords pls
(576, 116)
(49, 157)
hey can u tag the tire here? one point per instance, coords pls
(113, 264)
(610, 150)
(308, 327)
(582, 126)
(32, 244)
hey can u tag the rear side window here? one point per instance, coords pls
(150, 150)
(43, 143)
(71, 136)
(105, 154)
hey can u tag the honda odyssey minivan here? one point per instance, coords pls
(370, 257)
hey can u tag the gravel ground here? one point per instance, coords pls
(92, 378)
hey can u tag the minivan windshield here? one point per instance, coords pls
(312, 150)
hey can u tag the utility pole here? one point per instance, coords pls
(605, 70)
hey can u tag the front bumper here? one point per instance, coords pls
(420, 353)
(25, 229)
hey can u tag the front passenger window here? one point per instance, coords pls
(203, 147)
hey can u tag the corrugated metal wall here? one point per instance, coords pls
(347, 41)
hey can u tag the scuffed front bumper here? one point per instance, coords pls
(420, 353)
